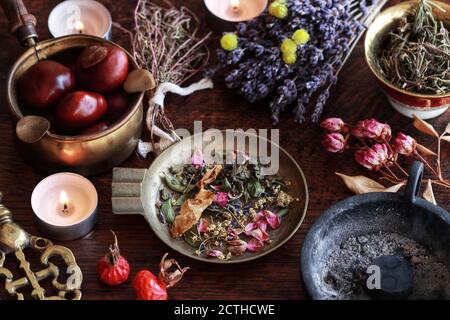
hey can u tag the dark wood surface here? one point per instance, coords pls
(276, 276)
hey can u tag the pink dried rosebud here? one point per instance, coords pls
(373, 158)
(221, 199)
(333, 124)
(372, 129)
(404, 144)
(334, 142)
(197, 159)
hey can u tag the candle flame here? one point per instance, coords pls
(79, 26)
(235, 5)
(63, 198)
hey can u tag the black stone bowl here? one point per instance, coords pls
(405, 214)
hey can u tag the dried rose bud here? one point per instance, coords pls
(404, 144)
(372, 129)
(333, 124)
(373, 158)
(334, 142)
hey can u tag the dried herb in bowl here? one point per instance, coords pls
(416, 57)
(223, 210)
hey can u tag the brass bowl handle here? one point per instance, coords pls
(21, 23)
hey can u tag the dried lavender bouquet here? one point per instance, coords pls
(417, 55)
(256, 68)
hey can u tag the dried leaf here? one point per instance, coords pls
(424, 127)
(447, 129)
(170, 271)
(446, 138)
(361, 184)
(210, 176)
(425, 151)
(428, 193)
(191, 211)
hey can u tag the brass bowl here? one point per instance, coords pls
(85, 154)
(407, 103)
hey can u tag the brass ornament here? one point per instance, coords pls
(13, 241)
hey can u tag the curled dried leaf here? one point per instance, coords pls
(428, 194)
(425, 151)
(424, 127)
(361, 184)
(170, 271)
(191, 211)
(210, 176)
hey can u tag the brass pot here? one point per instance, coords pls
(85, 154)
(425, 106)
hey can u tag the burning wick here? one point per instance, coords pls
(64, 200)
(235, 4)
(79, 26)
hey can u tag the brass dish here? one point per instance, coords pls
(85, 154)
(136, 191)
(405, 102)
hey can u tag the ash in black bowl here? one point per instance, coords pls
(345, 270)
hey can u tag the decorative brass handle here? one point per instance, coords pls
(13, 241)
(21, 23)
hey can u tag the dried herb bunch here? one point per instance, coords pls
(417, 55)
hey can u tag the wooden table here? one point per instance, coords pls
(276, 276)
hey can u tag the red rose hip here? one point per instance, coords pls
(45, 83)
(80, 109)
(102, 68)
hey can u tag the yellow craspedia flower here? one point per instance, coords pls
(301, 36)
(229, 42)
(289, 58)
(278, 10)
(288, 46)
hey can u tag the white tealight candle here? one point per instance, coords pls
(80, 17)
(223, 14)
(65, 205)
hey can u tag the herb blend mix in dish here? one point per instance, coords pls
(223, 210)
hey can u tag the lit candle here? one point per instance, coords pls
(223, 15)
(235, 5)
(65, 205)
(80, 16)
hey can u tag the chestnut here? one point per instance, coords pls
(80, 109)
(102, 68)
(118, 103)
(99, 127)
(45, 83)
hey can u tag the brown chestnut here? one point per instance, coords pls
(80, 109)
(45, 83)
(96, 128)
(118, 103)
(102, 68)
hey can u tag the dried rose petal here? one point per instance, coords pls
(333, 124)
(214, 253)
(197, 159)
(334, 142)
(272, 219)
(221, 199)
(258, 234)
(404, 144)
(237, 247)
(202, 226)
(254, 245)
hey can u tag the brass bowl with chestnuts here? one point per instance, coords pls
(87, 152)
